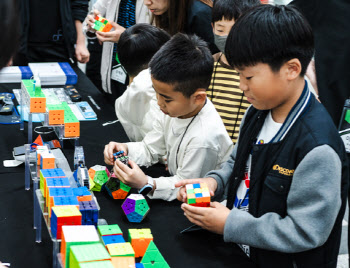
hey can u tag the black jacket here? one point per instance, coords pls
(70, 11)
(269, 188)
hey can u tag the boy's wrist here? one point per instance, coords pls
(148, 187)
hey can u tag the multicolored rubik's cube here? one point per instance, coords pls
(121, 157)
(198, 195)
(135, 207)
(101, 24)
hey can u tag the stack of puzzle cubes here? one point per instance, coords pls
(198, 195)
(45, 157)
(66, 205)
(81, 247)
(59, 114)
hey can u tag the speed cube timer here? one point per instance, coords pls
(140, 239)
(101, 24)
(198, 195)
(116, 188)
(135, 207)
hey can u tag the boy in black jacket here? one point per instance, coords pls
(287, 178)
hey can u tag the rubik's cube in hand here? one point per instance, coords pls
(198, 195)
(101, 24)
(121, 157)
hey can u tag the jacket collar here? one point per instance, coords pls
(295, 113)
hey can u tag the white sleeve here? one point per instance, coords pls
(148, 151)
(196, 162)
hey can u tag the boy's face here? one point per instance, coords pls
(264, 88)
(174, 103)
(223, 27)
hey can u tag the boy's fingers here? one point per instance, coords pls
(132, 164)
(121, 175)
(193, 210)
(122, 167)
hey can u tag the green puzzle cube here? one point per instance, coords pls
(112, 229)
(87, 253)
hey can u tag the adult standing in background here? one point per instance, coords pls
(52, 31)
(9, 31)
(186, 16)
(331, 26)
(125, 13)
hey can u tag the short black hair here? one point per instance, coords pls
(272, 35)
(138, 44)
(185, 62)
(9, 25)
(231, 9)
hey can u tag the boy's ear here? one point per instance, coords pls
(212, 25)
(200, 96)
(293, 69)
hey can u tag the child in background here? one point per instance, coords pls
(287, 178)
(137, 108)
(190, 131)
(224, 91)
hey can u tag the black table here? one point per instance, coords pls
(165, 219)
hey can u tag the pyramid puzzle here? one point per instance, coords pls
(153, 258)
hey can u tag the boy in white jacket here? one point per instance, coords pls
(190, 132)
(137, 108)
